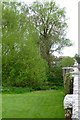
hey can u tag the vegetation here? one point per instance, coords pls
(0, 106)
(77, 57)
(51, 24)
(67, 61)
(56, 75)
(39, 104)
(28, 43)
(68, 84)
(50, 21)
(22, 62)
(31, 35)
(19, 90)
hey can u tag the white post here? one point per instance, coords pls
(71, 101)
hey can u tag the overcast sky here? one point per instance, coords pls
(71, 7)
(72, 31)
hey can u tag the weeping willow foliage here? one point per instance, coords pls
(22, 63)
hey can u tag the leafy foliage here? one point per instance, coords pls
(22, 62)
(67, 61)
(50, 21)
(77, 57)
(68, 81)
(30, 35)
(56, 74)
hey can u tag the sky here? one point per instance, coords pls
(71, 7)
(72, 31)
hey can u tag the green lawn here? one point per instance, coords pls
(0, 106)
(38, 104)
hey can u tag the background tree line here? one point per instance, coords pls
(31, 35)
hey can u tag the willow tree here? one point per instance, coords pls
(22, 63)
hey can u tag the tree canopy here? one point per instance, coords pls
(51, 23)
(22, 62)
(31, 35)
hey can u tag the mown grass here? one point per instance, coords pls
(0, 106)
(37, 104)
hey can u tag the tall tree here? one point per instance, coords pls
(50, 21)
(22, 63)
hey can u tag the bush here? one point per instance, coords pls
(22, 63)
(16, 90)
(68, 87)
